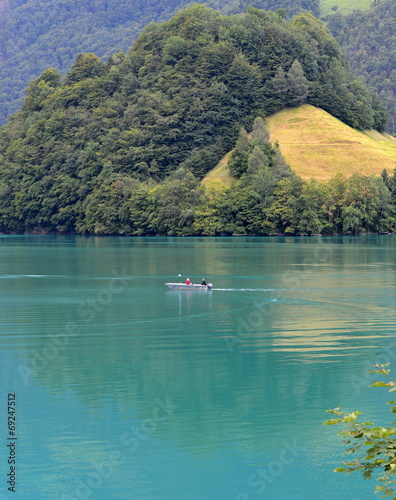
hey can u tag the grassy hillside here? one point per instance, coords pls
(344, 6)
(219, 176)
(317, 145)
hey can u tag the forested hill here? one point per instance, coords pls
(369, 41)
(37, 34)
(111, 133)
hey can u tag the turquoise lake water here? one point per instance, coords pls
(128, 390)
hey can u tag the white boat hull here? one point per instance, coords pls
(183, 286)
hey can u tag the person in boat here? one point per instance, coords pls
(203, 283)
(188, 282)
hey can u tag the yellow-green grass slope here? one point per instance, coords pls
(344, 6)
(219, 177)
(317, 146)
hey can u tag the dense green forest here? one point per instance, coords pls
(369, 42)
(120, 147)
(38, 34)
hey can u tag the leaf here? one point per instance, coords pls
(381, 384)
(335, 411)
(333, 421)
(352, 416)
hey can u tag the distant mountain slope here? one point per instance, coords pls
(317, 146)
(38, 34)
(369, 42)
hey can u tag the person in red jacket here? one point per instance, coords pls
(188, 282)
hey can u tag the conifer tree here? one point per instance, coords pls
(297, 84)
(257, 160)
(260, 131)
(239, 159)
(280, 168)
(279, 89)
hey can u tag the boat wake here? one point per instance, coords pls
(9, 276)
(248, 289)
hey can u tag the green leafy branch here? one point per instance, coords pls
(375, 446)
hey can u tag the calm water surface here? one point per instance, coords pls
(128, 390)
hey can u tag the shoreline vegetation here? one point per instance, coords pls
(123, 147)
(280, 235)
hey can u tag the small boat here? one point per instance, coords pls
(183, 286)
